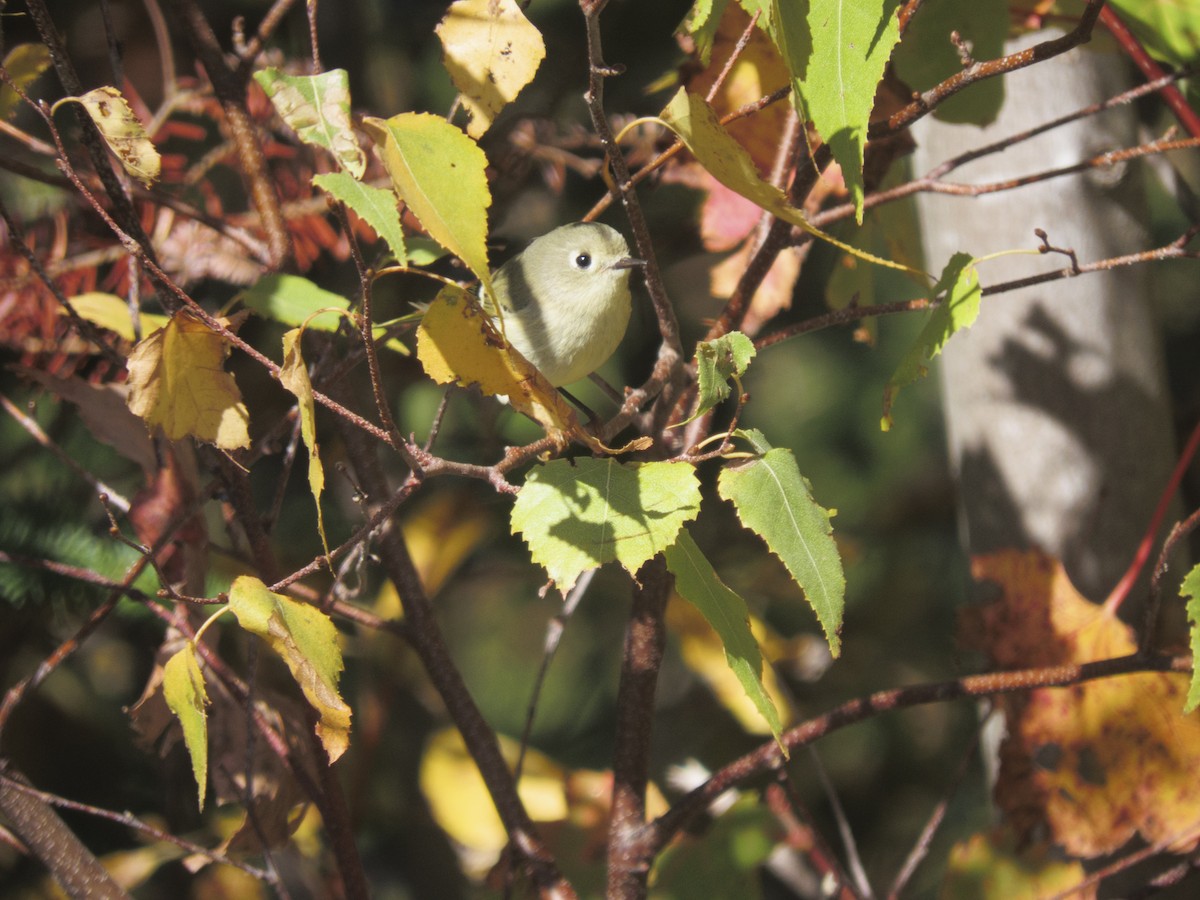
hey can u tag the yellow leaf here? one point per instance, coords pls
(1101, 761)
(24, 63)
(177, 382)
(993, 866)
(111, 312)
(293, 375)
(491, 52)
(442, 175)
(123, 132)
(457, 344)
(307, 641)
(183, 689)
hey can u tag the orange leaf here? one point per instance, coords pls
(1100, 762)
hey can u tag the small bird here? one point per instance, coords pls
(565, 299)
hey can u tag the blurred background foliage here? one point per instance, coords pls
(819, 395)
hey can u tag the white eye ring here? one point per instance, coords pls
(581, 259)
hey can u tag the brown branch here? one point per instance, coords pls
(926, 102)
(229, 85)
(645, 640)
(425, 637)
(33, 820)
(769, 756)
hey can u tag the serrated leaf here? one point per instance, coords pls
(1191, 590)
(122, 131)
(775, 501)
(111, 312)
(717, 362)
(183, 689)
(307, 641)
(491, 52)
(701, 23)
(440, 173)
(177, 381)
(837, 55)
(726, 612)
(317, 108)
(24, 63)
(577, 516)
(958, 310)
(373, 205)
(293, 375)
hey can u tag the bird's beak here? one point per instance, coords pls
(628, 262)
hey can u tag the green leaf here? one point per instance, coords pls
(701, 23)
(293, 300)
(307, 641)
(775, 501)
(24, 63)
(293, 375)
(373, 205)
(726, 611)
(836, 51)
(441, 174)
(1170, 31)
(958, 310)
(926, 56)
(578, 515)
(183, 689)
(1191, 589)
(716, 363)
(317, 108)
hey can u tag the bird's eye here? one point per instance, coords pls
(583, 260)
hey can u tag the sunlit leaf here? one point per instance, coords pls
(1095, 764)
(177, 382)
(775, 501)
(111, 312)
(307, 641)
(958, 309)
(491, 52)
(578, 515)
(373, 205)
(441, 174)
(122, 131)
(726, 612)
(183, 689)
(293, 375)
(317, 108)
(1191, 590)
(837, 55)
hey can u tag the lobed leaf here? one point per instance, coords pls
(183, 689)
(177, 382)
(775, 501)
(578, 515)
(307, 641)
(726, 612)
(317, 108)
